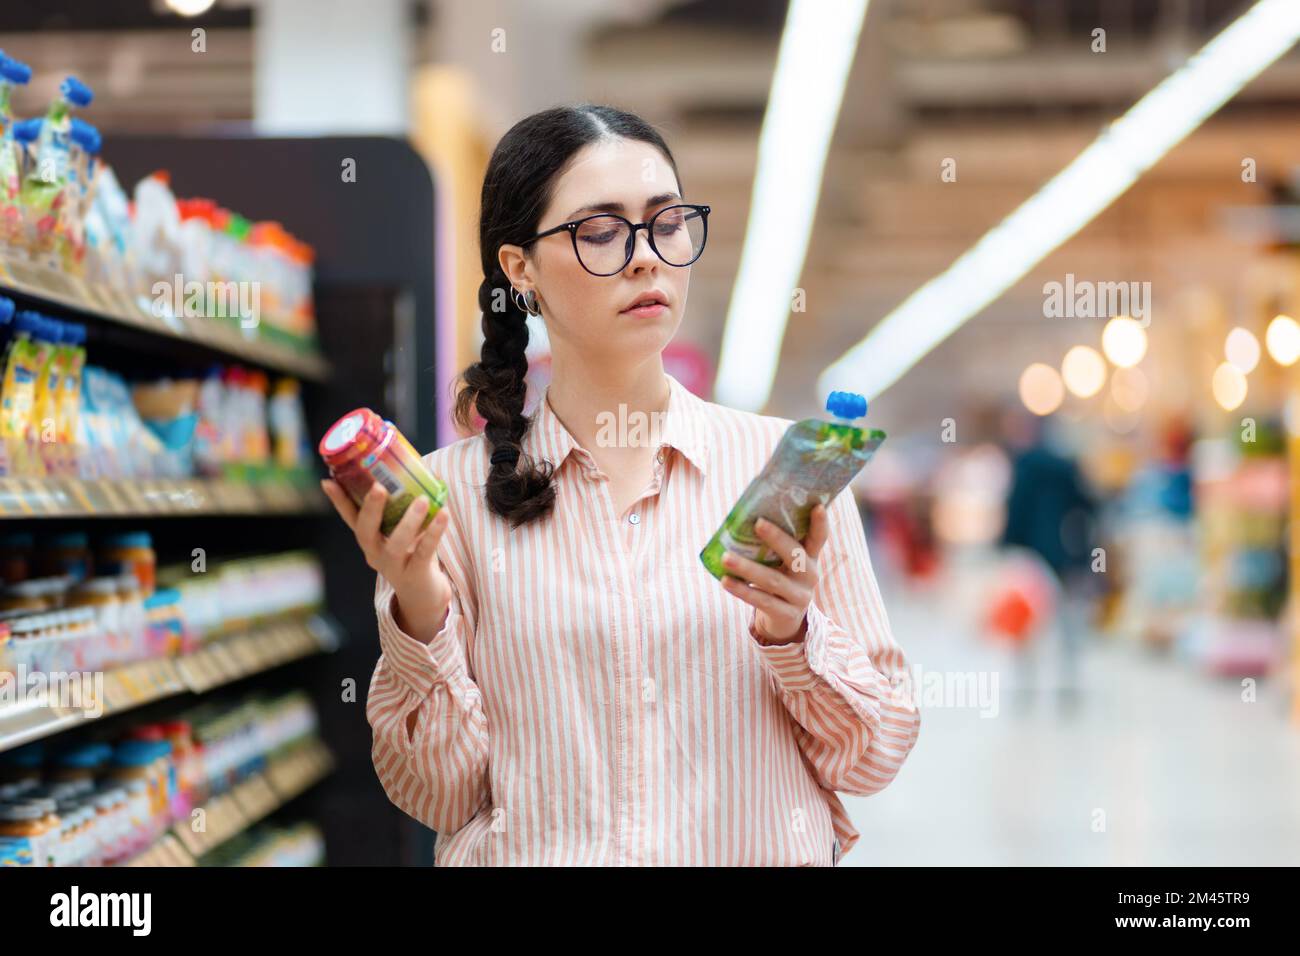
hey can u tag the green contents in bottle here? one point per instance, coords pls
(814, 461)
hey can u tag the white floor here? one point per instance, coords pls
(1157, 764)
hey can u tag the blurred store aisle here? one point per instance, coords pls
(1184, 771)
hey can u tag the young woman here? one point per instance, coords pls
(561, 680)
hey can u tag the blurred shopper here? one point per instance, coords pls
(1050, 513)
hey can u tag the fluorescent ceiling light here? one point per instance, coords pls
(812, 65)
(1127, 148)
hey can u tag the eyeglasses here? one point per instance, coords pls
(604, 242)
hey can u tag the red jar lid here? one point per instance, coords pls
(359, 432)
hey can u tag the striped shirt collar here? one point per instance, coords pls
(684, 427)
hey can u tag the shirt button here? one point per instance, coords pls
(634, 518)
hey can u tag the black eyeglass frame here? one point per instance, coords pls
(572, 228)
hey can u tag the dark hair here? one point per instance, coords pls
(517, 188)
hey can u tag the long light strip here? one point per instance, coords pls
(812, 66)
(1127, 148)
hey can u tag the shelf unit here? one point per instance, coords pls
(376, 322)
(252, 800)
(76, 298)
(138, 498)
(220, 661)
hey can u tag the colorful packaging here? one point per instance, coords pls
(12, 73)
(813, 462)
(288, 425)
(28, 351)
(361, 448)
(44, 186)
(68, 404)
(44, 426)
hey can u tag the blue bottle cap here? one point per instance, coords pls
(7, 309)
(29, 322)
(848, 405)
(28, 130)
(86, 136)
(14, 71)
(129, 539)
(76, 92)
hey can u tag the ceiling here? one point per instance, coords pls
(1009, 88)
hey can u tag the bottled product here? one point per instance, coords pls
(813, 462)
(131, 553)
(28, 829)
(288, 425)
(12, 73)
(44, 186)
(25, 355)
(361, 448)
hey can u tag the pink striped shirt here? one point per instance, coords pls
(596, 698)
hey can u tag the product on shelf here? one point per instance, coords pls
(62, 417)
(63, 209)
(101, 803)
(298, 845)
(44, 192)
(96, 610)
(361, 449)
(40, 393)
(12, 73)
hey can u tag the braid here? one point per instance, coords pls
(495, 387)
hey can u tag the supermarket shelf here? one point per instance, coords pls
(256, 798)
(73, 497)
(249, 802)
(224, 660)
(167, 851)
(106, 304)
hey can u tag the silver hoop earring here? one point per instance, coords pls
(527, 302)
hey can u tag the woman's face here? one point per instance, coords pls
(591, 316)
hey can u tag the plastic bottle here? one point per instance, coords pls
(85, 143)
(155, 232)
(28, 352)
(288, 425)
(43, 427)
(812, 464)
(68, 401)
(12, 73)
(44, 185)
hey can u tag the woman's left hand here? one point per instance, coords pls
(780, 596)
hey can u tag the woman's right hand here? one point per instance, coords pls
(407, 558)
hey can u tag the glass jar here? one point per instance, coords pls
(131, 553)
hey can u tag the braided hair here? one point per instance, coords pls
(517, 187)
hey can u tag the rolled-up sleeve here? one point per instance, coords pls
(430, 745)
(846, 684)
